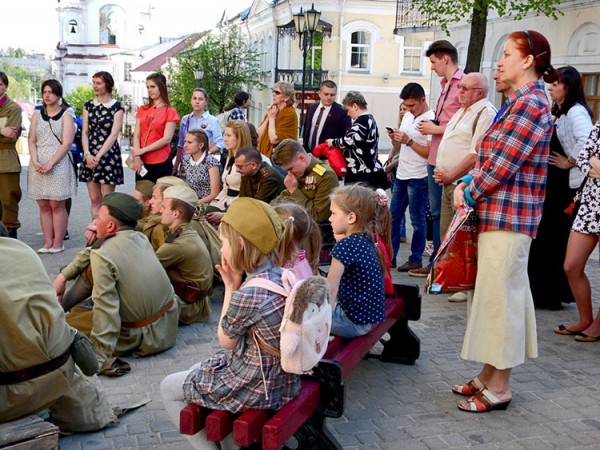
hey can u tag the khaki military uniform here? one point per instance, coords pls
(264, 185)
(314, 189)
(154, 230)
(130, 287)
(187, 261)
(32, 317)
(10, 167)
(210, 237)
(142, 221)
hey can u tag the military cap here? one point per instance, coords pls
(145, 187)
(182, 192)
(124, 203)
(171, 181)
(256, 221)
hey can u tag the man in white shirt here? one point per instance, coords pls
(457, 152)
(410, 187)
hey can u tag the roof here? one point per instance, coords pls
(172, 48)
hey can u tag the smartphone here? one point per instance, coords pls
(389, 129)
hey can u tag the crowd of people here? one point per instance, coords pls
(241, 203)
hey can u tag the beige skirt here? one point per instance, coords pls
(501, 329)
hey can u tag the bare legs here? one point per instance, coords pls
(97, 192)
(579, 249)
(53, 220)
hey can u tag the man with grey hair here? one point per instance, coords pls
(457, 152)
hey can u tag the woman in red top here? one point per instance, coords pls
(154, 128)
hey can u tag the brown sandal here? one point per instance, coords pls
(484, 401)
(471, 388)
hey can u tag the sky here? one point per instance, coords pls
(32, 24)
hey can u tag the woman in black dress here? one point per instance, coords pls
(102, 167)
(572, 126)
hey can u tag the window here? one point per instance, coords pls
(413, 51)
(591, 88)
(359, 53)
(127, 72)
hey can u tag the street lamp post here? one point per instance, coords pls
(305, 24)
(198, 75)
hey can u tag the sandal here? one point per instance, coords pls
(471, 388)
(484, 401)
(562, 329)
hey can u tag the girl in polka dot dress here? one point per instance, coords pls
(356, 274)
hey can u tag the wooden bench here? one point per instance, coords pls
(322, 394)
(29, 433)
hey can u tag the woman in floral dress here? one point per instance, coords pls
(102, 167)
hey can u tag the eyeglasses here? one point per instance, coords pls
(464, 87)
(276, 92)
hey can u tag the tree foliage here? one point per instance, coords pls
(229, 64)
(447, 12)
(79, 97)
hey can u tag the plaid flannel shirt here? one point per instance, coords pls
(509, 179)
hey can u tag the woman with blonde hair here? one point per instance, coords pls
(281, 120)
(236, 136)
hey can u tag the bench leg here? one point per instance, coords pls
(403, 346)
(314, 435)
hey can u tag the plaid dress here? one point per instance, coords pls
(232, 380)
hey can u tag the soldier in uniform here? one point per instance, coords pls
(185, 256)
(134, 305)
(143, 193)
(309, 182)
(153, 228)
(10, 167)
(39, 371)
(260, 180)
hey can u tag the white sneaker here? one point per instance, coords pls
(458, 297)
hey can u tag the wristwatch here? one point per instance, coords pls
(572, 160)
(410, 142)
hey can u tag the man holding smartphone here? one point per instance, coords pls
(444, 62)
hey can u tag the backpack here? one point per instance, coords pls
(306, 321)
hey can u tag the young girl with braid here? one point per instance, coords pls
(300, 246)
(356, 274)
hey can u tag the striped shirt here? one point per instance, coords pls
(509, 178)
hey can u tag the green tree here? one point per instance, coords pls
(446, 12)
(79, 97)
(229, 64)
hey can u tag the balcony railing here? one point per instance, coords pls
(313, 78)
(407, 17)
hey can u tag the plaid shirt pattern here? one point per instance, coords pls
(509, 178)
(236, 114)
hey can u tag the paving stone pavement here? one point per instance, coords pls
(556, 401)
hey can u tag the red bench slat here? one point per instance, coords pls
(192, 419)
(218, 425)
(291, 417)
(357, 348)
(247, 429)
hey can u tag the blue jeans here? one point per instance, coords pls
(342, 325)
(435, 207)
(410, 193)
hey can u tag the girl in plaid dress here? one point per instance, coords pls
(245, 375)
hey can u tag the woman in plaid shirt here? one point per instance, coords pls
(506, 188)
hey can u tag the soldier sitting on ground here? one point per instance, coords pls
(134, 307)
(37, 370)
(184, 255)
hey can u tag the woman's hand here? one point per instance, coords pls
(459, 195)
(560, 161)
(138, 164)
(137, 152)
(91, 161)
(273, 111)
(595, 163)
(231, 278)
(329, 143)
